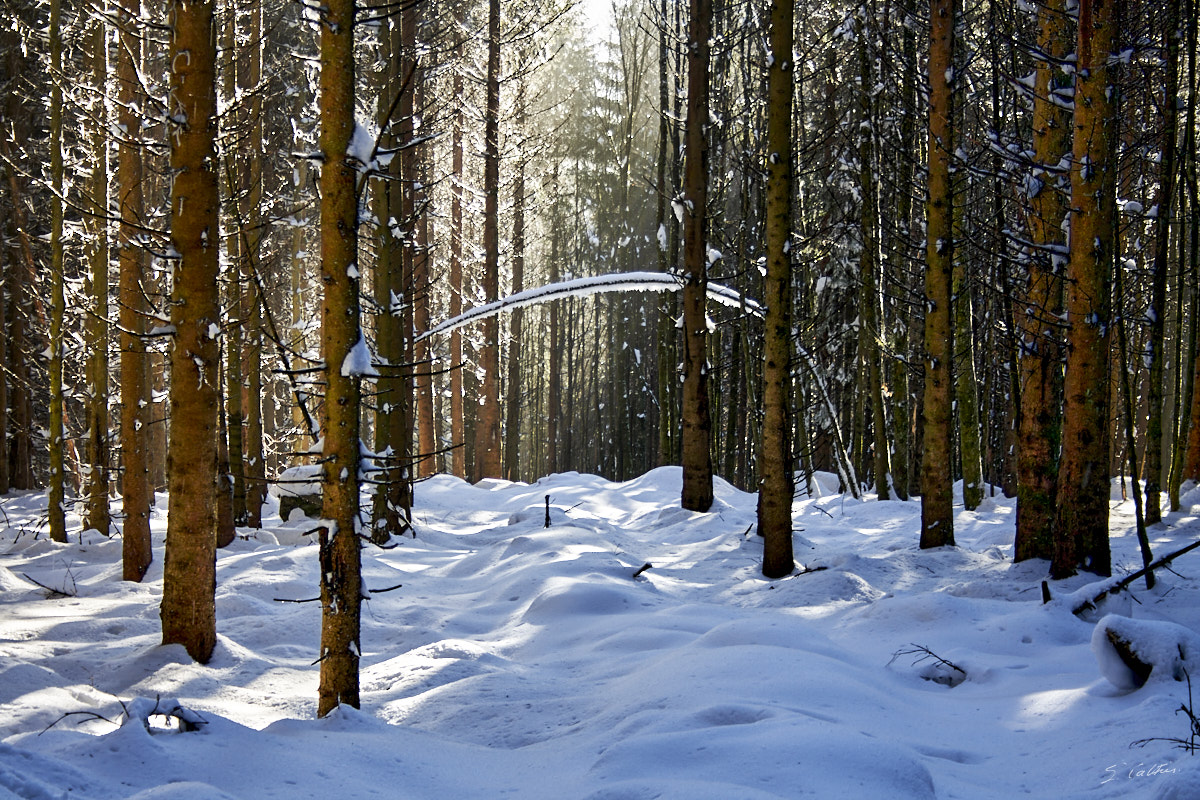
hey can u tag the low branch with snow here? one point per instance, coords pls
(597, 284)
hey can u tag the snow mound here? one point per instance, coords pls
(511, 660)
(186, 790)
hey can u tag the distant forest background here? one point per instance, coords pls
(588, 181)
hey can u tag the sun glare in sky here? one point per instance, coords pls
(597, 15)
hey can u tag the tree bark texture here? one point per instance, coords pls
(1081, 534)
(341, 580)
(56, 511)
(136, 491)
(96, 489)
(697, 494)
(871, 308)
(775, 470)
(487, 426)
(458, 458)
(1039, 436)
(512, 427)
(415, 183)
(189, 570)
(937, 512)
(393, 419)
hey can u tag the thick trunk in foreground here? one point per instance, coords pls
(1039, 435)
(937, 513)
(1081, 533)
(189, 572)
(936, 509)
(775, 485)
(341, 578)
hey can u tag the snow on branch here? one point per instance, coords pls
(597, 284)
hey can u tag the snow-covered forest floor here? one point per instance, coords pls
(526, 662)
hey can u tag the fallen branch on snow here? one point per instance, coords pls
(1124, 583)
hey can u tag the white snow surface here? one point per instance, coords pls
(527, 662)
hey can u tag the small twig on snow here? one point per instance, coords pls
(88, 714)
(925, 654)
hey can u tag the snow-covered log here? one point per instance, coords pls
(1131, 652)
(143, 709)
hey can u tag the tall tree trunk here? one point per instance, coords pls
(487, 430)
(136, 491)
(512, 428)
(937, 512)
(422, 284)
(1162, 246)
(458, 459)
(57, 497)
(19, 280)
(775, 469)
(393, 423)
(341, 335)
(96, 488)
(697, 494)
(966, 385)
(1081, 533)
(871, 308)
(301, 425)
(667, 231)
(233, 477)
(1189, 408)
(554, 378)
(5, 271)
(251, 173)
(189, 571)
(906, 337)
(1039, 437)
